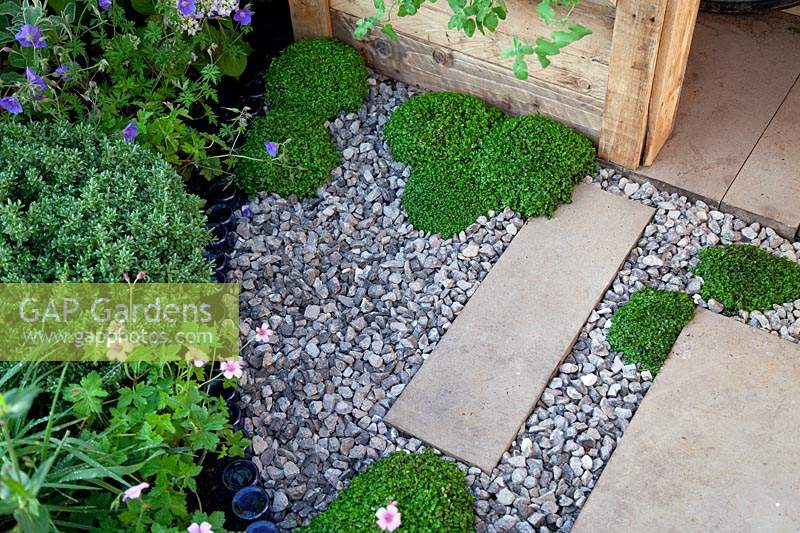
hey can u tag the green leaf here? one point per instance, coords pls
(144, 7)
(9, 8)
(469, 27)
(57, 5)
(546, 11)
(389, 30)
(491, 21)
(520, 69)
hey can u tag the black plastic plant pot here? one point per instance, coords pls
(219, 214)
(220, 234)
(218, 277)
(222, 192)
(262, 526)
(218, 258)
(234, 414)
(250, 503)
(239, 474)
(218, 389)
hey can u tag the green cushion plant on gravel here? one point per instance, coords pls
(440, 127)
(323, 76)
(444, 200)
(746, 277)
(305, 157)
(533, 163)
(431, 495)
(646, 327)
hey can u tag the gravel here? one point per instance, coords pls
(358, 298)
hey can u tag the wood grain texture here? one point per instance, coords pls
(634, 51)
(311, 18)
(673, 53)
(793, 10)
(572, 89)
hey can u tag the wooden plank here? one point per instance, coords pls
(581, 68)
(414, 60)
(311, 18)
(634, 50)
(673, 53)
(793, 10)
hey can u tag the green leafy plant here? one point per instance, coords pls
(468, 158)
(431, 495)
(442, 200)
(440, 127)
(150, 63)
(533, 163)
(746, 277)
(75, 467)
(304, 159)
(481, 15)
(646, 327)
(320, 76)
(77, 206)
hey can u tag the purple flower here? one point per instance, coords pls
(246, 211)
(243, 16)
(11, 104)
(29, 36)
(130, 132)
(187, 7)
(271, 148)
(63, 72)
(36, 80)
(105, 5)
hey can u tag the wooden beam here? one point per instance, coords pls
(673, 53)
(634, 51)
(793, 10)
(311, 18)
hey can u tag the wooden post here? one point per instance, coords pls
(311, 18)
(634, 51)
(673, 53)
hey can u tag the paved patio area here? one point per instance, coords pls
(737, 138)
(713, 446)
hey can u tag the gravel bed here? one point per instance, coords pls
(357, 299)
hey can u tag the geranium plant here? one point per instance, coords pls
(146, 71)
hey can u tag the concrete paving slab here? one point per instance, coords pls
(768, 186)
(481, 382)
(739, 71)
(713, 446)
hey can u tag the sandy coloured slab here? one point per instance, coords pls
(481, 382)
(713, 446)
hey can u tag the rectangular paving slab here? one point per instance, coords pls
(481, 382)
(713, 446)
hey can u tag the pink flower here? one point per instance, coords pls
(141, 275)
(388, 517)
(205, 527)
(199, 363)
(134, 492)
(126, 277)
(263, 333)
(231, 369)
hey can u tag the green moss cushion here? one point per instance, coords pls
(533, 163)
(444, 200)
(323, 76)
(431, 496)
(305, 158)
(746, 277)
(646, 327)
(440, 127)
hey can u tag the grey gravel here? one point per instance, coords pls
(358, 299)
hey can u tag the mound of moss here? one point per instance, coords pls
(646, 327)
(533, 163)
(746, 277)
(305, 156)
(467, 158)
(440, 127)
(431, 495)
(445, 200)
(323, 76)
